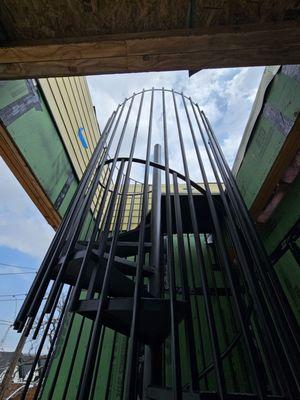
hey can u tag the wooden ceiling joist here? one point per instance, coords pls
(193, 49)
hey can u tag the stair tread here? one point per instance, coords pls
(133, 234)
(120, 284)
(130, 244)
(154, 324)
(124, 248)
(128, 267)
(127, 249)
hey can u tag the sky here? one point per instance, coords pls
(225, 95)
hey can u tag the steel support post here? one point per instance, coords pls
(152, 358)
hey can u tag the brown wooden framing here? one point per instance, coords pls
(19, 167)
(192, 49)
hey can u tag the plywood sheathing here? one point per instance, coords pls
(35, 20)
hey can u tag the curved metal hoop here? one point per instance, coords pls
(161, 167)
(158, 90)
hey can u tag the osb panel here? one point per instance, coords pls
(31, 19)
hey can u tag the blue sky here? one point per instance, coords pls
(24, 237)
(226, 96)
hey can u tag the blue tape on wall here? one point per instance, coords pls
(82, 138)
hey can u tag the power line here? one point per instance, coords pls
(16, 266)
(12, 295)
(11, 300)
(18, 299)
(17, 273)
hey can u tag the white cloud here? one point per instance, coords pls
(225, 95)
(239, 93)
(22, 227)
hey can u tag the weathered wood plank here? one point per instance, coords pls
(192, 49)
(196, 61)
(63, 51)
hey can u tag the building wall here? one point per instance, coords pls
(27, 119)
(276, 126)
(71, 107)
(41, 120)
(278, 115)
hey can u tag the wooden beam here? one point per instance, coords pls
(194, 49)
(283, 160)
(17, 164)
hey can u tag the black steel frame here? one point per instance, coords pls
(265, 326)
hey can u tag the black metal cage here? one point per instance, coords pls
(172, 266)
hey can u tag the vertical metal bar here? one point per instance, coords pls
(86, 383)
(50, 351)
(176, 370)
(189, 330)
(81, 217)
(40, 348)
(104, 235)
(61, 357)
(103, 330)
(233, 318)
(77, 210)
(65, 343)
(94, 382)
(40, 321)
(258, 251)
(155, 280)
(243, 262)
(78, 285)
(56, 242)
(153, 356)
(132, 358)
(124, 366)
(294, 248)
(110, 367)
(74, 237)
(270, 325)
(132, 200)
(87, 375)
(207, 301)
(72, 362)
(84, 265)
(221, 245)
(140, 203)
(221, 315)
(198, 319)
(62, 354)
(37, 328)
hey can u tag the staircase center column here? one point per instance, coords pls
(153, 364)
